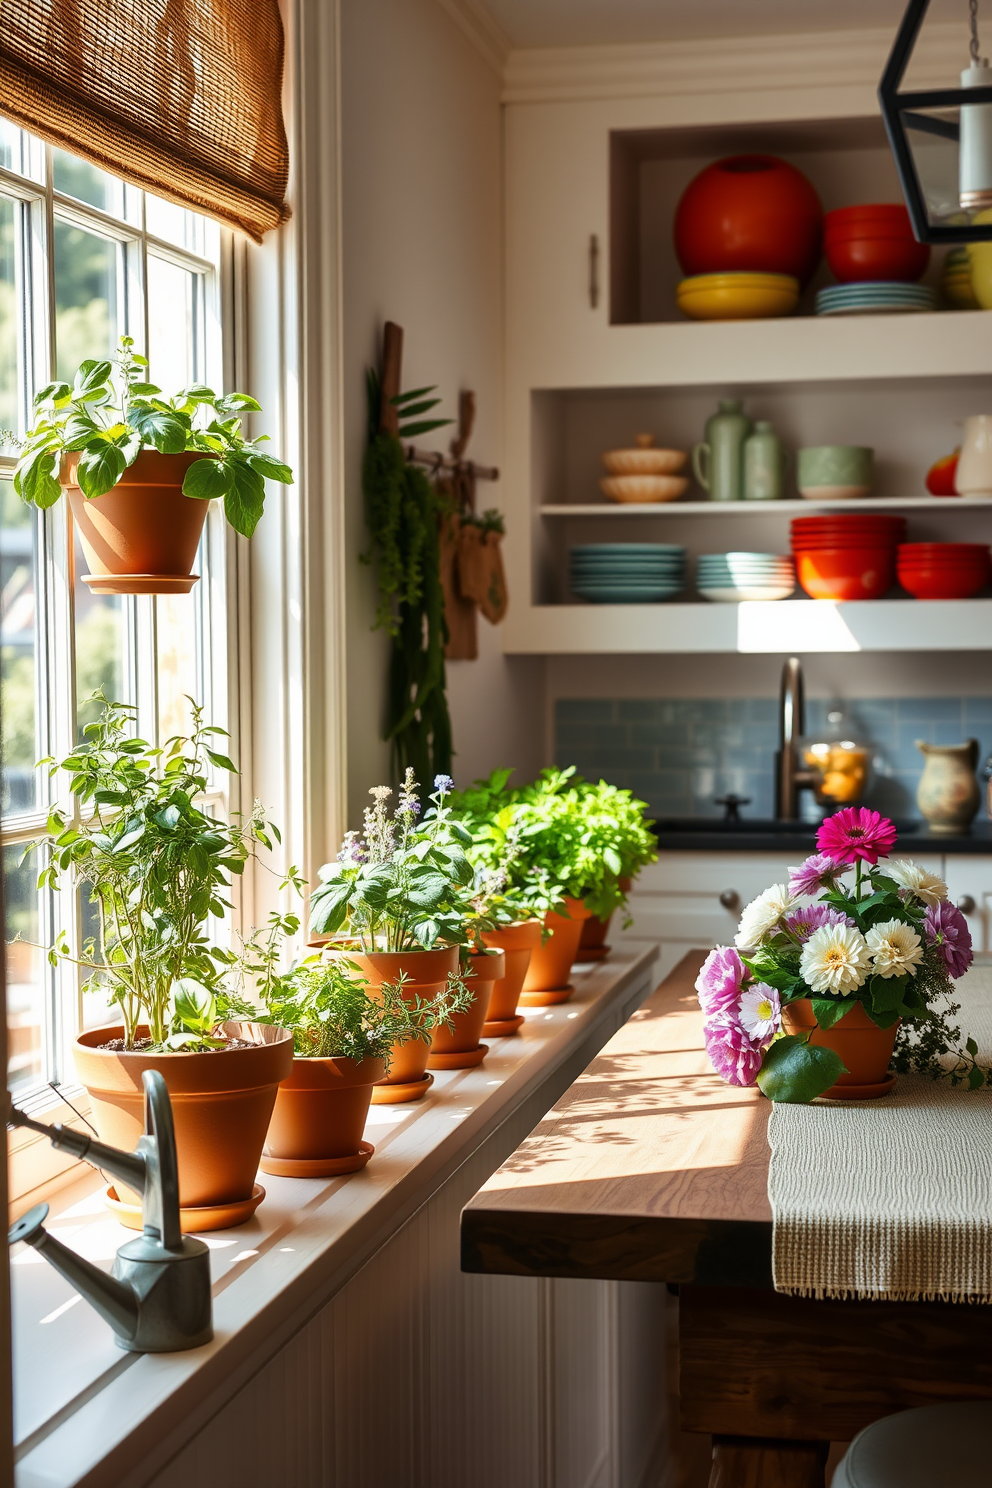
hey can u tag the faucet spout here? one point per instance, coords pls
(114, 1301)
(790, 778)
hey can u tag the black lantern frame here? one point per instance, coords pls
(899, 110)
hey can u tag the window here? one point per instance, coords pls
(84, 259)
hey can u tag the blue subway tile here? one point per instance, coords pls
(584, 710)
(930, 710)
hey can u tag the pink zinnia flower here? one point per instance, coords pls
(946, 926)
(720, 980)
(818, 872)
(735, 1057)
(805, 921)
(856, 833)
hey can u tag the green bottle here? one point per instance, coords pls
(764, 459)
(718, 463)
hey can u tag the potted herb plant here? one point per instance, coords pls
(397, 905)
(835, 969)
(343, 1039)
(139, 468)
(157, 866)
(616, 828)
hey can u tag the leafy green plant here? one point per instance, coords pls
(402, 511)
(108, 423)
(401, 886)
(332, 1014)
(157, 865)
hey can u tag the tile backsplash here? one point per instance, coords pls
(679, 754)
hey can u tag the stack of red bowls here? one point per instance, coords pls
(873, 244)
(943, 570)
(841, 557)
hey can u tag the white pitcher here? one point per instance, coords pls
(974, 472)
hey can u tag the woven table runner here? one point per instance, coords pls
(890, 1198)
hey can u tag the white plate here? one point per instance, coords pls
(734, 596)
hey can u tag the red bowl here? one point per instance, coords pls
(930, 551)
(877, 531)
(940, 583)
(812, 540)
(749, 212)
(879, 260)
(846, 573)
(893, 216)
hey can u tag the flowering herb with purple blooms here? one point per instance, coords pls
(884, 939)
(405, 882)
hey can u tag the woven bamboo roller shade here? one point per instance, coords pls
(182, 97)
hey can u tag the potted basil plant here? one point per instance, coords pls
(139, 468)
(157, 866)
(618, 833)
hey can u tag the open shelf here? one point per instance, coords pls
(754, 626)
(763, 508)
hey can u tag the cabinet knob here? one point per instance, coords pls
(730, 899)
(966, 904)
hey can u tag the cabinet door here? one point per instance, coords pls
(969, 885)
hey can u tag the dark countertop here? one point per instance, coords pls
(709, 834)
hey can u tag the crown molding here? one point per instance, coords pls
(744, 64)
(474, 21)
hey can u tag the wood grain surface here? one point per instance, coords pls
(649, 1168)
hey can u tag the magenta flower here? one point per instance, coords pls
(856, 833)
(805, 921)
(818, 872)
(946, 926)
(720, 981)
(735, 1057)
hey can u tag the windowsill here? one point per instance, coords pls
(87, 1411)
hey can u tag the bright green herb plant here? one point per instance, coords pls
(157, 865)
(109, 420)
(333, 1016)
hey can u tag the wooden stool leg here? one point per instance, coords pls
(754, 1462)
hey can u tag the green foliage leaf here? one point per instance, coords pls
(269, 467)
(58, 393)
(100, 467)
(165, 430)
(245, 500)
(796, 1072)
(221, 761)
(237, 403)
(830, 1010)
(194, 1005)
(92, 375)
(34, 479)
(410, 431)
(207, 480)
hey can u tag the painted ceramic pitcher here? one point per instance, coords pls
(948, 794)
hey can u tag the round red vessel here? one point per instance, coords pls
(749, 212)
(846, 573)
(873, 244)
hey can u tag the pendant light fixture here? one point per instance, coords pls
(942, 139)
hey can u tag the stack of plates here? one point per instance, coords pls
(736, 576)
(627, 573)
(882, 298)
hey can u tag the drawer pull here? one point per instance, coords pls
(966, 904)
(730, 899)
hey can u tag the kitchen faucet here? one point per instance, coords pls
(790, 778)
(157, 1298)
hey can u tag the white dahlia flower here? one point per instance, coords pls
(835, 959)
(762, 915)
(895, 948)
(925, 886)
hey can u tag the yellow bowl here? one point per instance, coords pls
(738, 296)
(643, 488)
(645, 461)
(980, 259)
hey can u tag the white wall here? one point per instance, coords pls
(422, 221)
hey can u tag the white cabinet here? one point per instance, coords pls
(969, 882)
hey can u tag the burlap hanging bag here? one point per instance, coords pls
(463, 639)
(480, 570)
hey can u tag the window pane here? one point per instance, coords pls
(87, 312)
(99, 645)
(179, 673)
(172, 297)
(181, 227)
(10, 401)
(97, 1010)
(18, 651)
(15, 150)
(87, 183)
(25, 969)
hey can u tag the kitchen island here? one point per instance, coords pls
(650, 1168)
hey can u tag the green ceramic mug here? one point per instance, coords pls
(831, 471)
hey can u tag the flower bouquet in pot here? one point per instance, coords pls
(139, 468)
(343, 1039)
(844, 970)
(396, 904)
(157, 866)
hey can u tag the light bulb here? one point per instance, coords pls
(975, 159)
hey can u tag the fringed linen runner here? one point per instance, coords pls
(890, 1198)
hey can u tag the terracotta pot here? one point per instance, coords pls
(319, 1117)
(865, 1049)
(517, 942)
(459, 1047)
(427, 973)
(142, 536)
(221, 1104)
(547, 976)
(592, 941)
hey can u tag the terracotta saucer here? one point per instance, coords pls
(548, 998)
(140, 583)
(191, 1220)
(503, 1027)
(317, 1167)
(593, 953)
(395, 1095)
(466, 1060)
(860, 1092)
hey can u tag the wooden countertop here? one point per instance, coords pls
(649, 1168)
